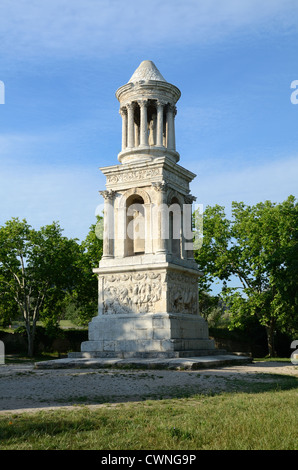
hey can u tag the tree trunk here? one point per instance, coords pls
(30, 345)
(30, 337)
(270, 339)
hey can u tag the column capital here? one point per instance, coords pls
(172, 108)
(123, 111)
(130, 105)
(160, 186)
(160, 102)
(189, 199)
(142, 103)
(108, 195)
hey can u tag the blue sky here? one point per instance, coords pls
(62, 61)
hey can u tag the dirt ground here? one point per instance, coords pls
(23, 388)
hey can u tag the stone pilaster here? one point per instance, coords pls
(108, 232)
(163, 232)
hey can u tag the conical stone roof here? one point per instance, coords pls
(147, 70)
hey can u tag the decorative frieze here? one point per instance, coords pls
(131, 292)
(133, 175)
(130, 176)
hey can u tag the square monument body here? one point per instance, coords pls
(147, 278)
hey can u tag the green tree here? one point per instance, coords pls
(37, 268)
(259, 247)
(85, 294)
(211, 308)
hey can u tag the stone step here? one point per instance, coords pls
(146, 354)
(177, 363)
(201, 352)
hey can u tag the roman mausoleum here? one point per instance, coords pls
(148, 302)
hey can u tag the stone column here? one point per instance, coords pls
(163, 222)
(159, 127)
(123, 113)
(171, 111)
(108, 230)
(143, 123)
(130, 125)
(137, 135)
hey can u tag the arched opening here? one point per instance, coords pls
(135, 225)
(175, 218)
(136, 124)
(152, 122)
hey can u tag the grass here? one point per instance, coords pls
(222, 422)
(23, 359)
(63, 324)
(260, 414)
(272, 359)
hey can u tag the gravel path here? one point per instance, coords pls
(23, 388)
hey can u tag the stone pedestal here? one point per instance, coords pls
(147, 336)
(151, 311)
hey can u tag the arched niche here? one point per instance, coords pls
(175, 211)
(133, 205)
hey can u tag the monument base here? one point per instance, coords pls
(147, 335)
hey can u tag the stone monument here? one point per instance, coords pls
(147, 277)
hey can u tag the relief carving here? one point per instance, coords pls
(183, 293)
(136, 175)
(131, 293)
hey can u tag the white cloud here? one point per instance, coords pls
(67, 194)
(99, 27)
(274, 180)
(12, 144)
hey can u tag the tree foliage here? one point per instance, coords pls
(85, 293)
(258, 247)
(37, 268)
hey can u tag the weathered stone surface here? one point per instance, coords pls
(79, 361)
(147, 278)
(147, 70)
